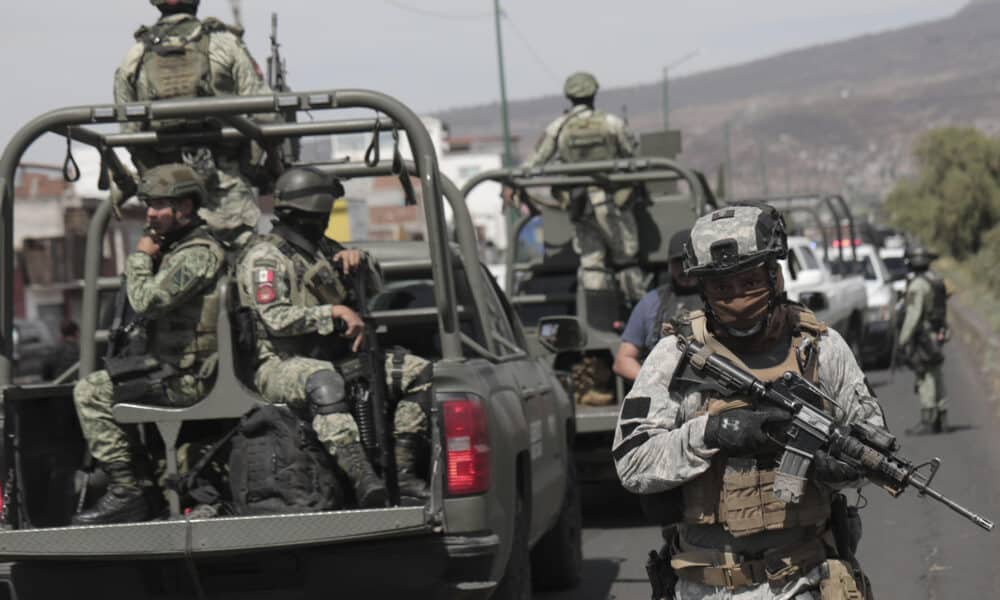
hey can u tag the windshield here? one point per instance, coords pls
(897, 267)
(867, 268)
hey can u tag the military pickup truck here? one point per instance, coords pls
(670, 198)
(504, 512)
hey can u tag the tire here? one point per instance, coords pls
(557, 558)
(516, 581)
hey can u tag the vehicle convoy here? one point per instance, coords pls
(880, 319)
(823, 277)
(504, 508)
(546, 284)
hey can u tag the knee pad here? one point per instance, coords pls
(325, 394)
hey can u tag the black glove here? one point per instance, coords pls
(742, 431)
(831, 470)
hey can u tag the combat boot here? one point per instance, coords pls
(941, 423)
(124, 502)
(926, 424)
(409, 450)
(368, 488)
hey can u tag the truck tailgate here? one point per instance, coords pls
(161, 539)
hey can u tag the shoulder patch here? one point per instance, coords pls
(636, 408)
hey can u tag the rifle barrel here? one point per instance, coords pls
(925, 490)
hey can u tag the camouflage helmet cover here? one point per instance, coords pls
(172, 3)
(735, 238)
(580, 85)
(172, 181)
(307, 190)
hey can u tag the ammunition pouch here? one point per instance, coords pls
(839, 582)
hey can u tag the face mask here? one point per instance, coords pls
(742, 312)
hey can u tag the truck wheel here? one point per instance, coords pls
(516, 581)
(557, 558)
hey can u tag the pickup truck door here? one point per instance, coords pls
(546, 429)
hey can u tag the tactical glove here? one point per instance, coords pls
(831, 470)
(742, 431)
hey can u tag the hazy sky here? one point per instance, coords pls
(434, 54)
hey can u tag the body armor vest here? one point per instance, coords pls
(937, 313)
(313, 281)
(737, 492)
(186, 336)
(586, 137)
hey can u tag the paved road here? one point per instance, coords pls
(913, 548)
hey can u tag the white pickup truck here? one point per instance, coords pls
(838, 300)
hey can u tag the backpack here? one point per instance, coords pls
(176, 60)
(277, 465)
(586, 137)
(937, 316)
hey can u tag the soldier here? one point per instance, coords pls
(603, 220)
(291, 282)
(924, 330)
(180, 56)
(735, 539)
(658, 309)
(171, 281)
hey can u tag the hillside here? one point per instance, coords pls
(841, 115)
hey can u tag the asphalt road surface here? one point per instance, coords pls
(913, 548)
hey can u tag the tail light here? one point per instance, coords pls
(467, 442)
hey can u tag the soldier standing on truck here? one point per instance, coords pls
(170, 281)
(924, 331)
(181, 56)
(305, 327)
(659, 309)
(605, 232)
(734, 537)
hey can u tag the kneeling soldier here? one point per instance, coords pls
(171, 282)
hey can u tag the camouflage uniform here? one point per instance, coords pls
(291, 327)
(183, 280)
(730, 516)
(920, 303)
(231, 209)
(612, 229)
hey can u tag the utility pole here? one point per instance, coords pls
(666, 85)
(508, 156)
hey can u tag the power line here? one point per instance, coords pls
(531, 49)
(439, 15)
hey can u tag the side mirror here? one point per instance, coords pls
(814, 301)
(561, 334)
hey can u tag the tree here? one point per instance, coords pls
(955, 198)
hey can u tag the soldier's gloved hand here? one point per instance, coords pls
(743, 431)
(831, 470)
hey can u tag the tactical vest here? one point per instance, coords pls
(313, 281)
(737, 492)
(176, 61)
(186, 336)
(586, 136)
(937, 313)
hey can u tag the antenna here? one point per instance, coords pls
(236, 5)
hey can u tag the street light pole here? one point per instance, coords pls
(508, 156)
(666, 85)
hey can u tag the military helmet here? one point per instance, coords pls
(172, 3)
(735, 238)
(307, 190)
(580, 85)
(172, 181)
(919, 257)
(677, 243)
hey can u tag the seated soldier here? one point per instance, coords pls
(171, 282)
(305, 325)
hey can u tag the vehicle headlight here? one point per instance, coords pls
(879, 313)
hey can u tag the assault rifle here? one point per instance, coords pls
(868, 449)
(377, 398)
(275, 64)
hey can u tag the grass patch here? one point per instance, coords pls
(970, 284)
